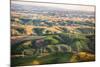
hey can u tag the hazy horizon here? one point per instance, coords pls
(62, 6)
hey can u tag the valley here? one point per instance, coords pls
(49, 35)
